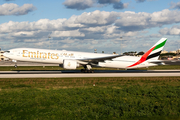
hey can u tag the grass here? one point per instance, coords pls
(77, 98)
(26, 68)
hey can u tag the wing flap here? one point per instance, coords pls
(97, 59)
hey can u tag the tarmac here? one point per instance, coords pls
(77, 73)
(98, 73)
(19, 63)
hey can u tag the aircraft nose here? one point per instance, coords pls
(6, 53)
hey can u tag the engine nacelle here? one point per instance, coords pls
(70, 64)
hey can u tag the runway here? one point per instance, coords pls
(77, 73)
(98, 73)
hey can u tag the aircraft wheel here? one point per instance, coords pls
(87, 71)
(82, 70)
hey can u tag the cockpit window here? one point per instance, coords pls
(6, 51)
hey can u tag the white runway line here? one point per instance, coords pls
(87, 75)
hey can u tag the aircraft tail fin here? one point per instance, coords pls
(153, 53)
(155, 50)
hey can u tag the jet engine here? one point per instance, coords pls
(70, 64)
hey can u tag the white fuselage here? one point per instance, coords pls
(58, 56)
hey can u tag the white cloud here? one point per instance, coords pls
(108, 1)
(23, 34)
(155, 35)
(111, 29)
(14, 9)
(65, 46)
(175, 5)
(78, 4)
(42, 25)
(91, 28)
(175, 30)
(8, 0)
(120, 5)
(84, 4)
(68, 40)
(74, 33)
(97, 22)
(96, 18)
(140, 0)
(165, 17)
(131, 21)
(95, 29)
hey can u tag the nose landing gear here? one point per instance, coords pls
(15, 65)
(15, 61)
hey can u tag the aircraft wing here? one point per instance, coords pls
(166, 62)
(97, 59)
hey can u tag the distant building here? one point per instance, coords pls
(114, 53)
(178, 51)
(95, 50)
(173, 52)
(164, 52)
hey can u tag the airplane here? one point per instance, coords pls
(73, 59)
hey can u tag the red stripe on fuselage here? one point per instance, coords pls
(143, 58)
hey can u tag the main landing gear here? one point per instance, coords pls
(87, 69)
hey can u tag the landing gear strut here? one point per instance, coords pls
(87, 69)
(15, 61)
(15, 66)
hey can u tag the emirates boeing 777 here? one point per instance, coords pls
(72, 59)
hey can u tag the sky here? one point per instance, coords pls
(84, 25)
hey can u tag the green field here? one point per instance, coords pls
(11, 68)
(76, 98)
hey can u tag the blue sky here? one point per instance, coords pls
(85, 25)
